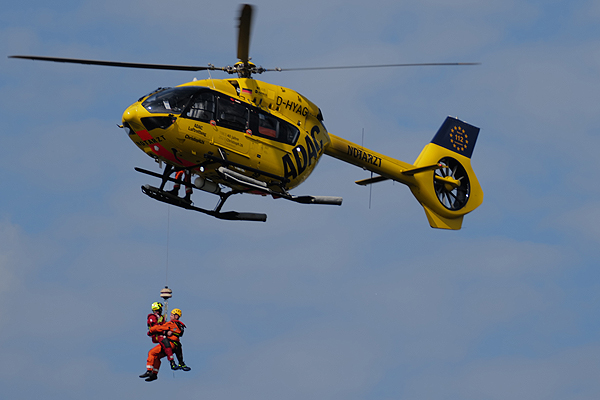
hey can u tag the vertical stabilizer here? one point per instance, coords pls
(457, 136)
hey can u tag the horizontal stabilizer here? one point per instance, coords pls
(412, 171)
(375, 179)
(408, 172)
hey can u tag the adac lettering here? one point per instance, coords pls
(303, 156)
(144, 143)
(290, 105)
(197, 128)
(365, 156)
(318, 144)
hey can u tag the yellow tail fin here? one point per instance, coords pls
(451, 190)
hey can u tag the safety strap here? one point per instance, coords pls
(181, 326)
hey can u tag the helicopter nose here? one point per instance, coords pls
(131, 118)
(130, 113)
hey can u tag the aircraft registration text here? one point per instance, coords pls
(290, 105)
(144, 143)
(365, 156)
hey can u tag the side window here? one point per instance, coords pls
(202, 108)
(267, 125)
(273, 128)
(232, 114)
(288, 133)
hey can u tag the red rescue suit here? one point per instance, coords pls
(153, 319)
(164, 343)
(186, 177)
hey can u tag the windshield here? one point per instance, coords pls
(170, 101)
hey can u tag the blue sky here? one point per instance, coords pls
(320, 302)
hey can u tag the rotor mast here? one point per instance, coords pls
(244, 67)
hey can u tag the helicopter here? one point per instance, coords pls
(241, 135)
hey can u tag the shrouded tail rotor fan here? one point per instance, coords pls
(451, 184)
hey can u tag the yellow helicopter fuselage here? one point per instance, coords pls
(244, 121)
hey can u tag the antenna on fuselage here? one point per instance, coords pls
(362, 145)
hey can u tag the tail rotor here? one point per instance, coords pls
(451, 184)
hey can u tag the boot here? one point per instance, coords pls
(146, 374)
(174, 366)
(184, 367)
(152, 377)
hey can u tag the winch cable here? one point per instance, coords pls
(166, 293)
(168, 237)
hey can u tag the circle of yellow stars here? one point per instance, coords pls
(459, 138)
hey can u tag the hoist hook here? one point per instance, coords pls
(166, 294)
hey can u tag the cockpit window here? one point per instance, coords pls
(202, 108)
(160, 89)
(170, 101)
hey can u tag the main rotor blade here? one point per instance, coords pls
(243, 51)
(373, 66)
(226, 69)
(117, 64)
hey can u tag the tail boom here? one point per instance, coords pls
(386, 167)
(441, 179)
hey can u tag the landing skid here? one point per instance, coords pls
(237, 180)
(168, 198)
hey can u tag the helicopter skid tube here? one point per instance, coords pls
(330, 200)
(168, 198)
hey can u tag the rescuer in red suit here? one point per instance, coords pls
(156, 319)
(186, 177)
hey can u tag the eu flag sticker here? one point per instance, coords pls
(457, 136)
